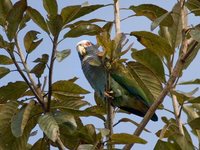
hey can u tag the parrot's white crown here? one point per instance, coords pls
(82, 42)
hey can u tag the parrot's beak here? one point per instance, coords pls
(81, 49)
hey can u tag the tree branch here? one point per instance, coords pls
(175, 74)
(53, 56)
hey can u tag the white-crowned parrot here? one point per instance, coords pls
(126, 93)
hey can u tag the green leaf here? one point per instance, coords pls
(5, 60)
(123, 138)
(49, 126)
(159, 20)
(44, 59)
(37, 18)
(60, 56)
(196, 81)
(82, 22)
(13, 91)
(85, 147)
(20, 120)
(51, 7)
(5, 7)
(40, 144)
(86, 29)
(146, 79)
(71, 13)
(108, 27)
(25, 19)
(162, 145)
(195, 100)
(194, 33)
(195, 123)
(175, 30)
(153, 42)
(88, 134)
(31, 41)
(38, 70)
(14, 18)
(55, 25)
(152, 12)
(104, 132)
(4, 71)
(151, 61)
(193, 6)
(68, 87)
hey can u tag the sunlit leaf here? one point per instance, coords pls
(165, 146)
(37, 18)
(195, 33)
(124, 138)
(196, 81)
(5, 7)
(153, 42)
(71, 13)
(193, 6)
(151, 61)
(86, 29)
(55, 24)
(152, 12)
(31, 41)
(13, 91)
(14, 18)
(146, 79)
(104, 132)
(49, 126)
(68, 87)
(51, 7)
(3, 72)
(61, 55)
(85, 147)
(19, 121)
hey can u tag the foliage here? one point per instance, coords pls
(58, 107)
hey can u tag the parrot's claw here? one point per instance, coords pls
(109, 94)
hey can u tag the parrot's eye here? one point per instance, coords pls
(87, 44)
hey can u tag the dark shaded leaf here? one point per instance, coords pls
(13, 91)
(51, 7)
(4, 71)
(123, 138)
(38, 70)
(151, 61)
(44, 59)
(31, 41)
(195, 100)
(49, 126)
(5, 7)
(152, 12)
(14, 18)
(86, 29)
(195, 123)
(195, 33)
(25, 19)
(68, 87)
(153, 42)
(37, 18)
(108, 27)
(71, 13)
(19, 121)
(60, 56)
(40, 144)
(159, 20)
(162, 145)
(5, 60)
(82, 22)
(55, 24)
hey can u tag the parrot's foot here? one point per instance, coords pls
(109, 94)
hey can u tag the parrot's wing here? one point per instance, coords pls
(130, 85)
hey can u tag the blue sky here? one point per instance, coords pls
(71, 67)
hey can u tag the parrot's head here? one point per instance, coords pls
(85, 47)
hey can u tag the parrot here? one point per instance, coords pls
(126, 94)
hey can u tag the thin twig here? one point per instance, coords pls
(53, 55)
